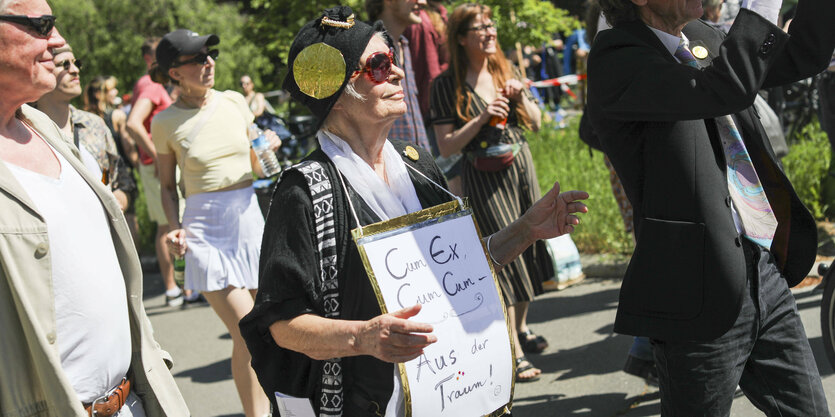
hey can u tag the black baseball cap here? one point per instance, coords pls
(182, 42)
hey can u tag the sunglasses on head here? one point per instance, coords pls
(202, 58)
(68, 63)
(42, 25)
(378, 66)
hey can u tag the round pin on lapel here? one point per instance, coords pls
(411, 153)
(700, 52)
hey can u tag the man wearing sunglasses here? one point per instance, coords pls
(89, 132)
(671, 100)
(396, 16)
(76, 339)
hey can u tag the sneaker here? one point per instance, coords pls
(642, 369)
(194, 301)
(175, 301)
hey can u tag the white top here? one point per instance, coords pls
(91, 309)
(90, 162)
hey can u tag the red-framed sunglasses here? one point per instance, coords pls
(378, 66)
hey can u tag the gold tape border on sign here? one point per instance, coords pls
(416, 220)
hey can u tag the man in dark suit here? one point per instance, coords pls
(721, 234)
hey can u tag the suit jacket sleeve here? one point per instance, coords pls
(636, 79)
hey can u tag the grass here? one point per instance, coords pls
(560, 155)
(806, 166)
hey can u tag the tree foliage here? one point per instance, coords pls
(276, 22)
(528, 22)
(107, 35)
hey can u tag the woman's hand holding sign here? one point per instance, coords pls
(389, 337)
(393, 337)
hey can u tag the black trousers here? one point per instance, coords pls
(766, 352)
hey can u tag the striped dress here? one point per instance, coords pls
(497, 198)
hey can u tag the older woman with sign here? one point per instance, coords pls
(317, 330)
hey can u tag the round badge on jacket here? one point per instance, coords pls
(411, 153)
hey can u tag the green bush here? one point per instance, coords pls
(145, 227)
(560, 155)
(807, 164)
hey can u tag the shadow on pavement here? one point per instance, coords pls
(598, 358)
(544, 309)
(213, 372)
(643, 405)
(596, 405)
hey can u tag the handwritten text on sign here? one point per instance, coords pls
(442, 266)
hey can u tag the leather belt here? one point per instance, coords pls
(110, 403)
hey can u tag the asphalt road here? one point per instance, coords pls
(581, 368)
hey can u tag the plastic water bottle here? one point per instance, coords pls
(261, 146)
(180, 270)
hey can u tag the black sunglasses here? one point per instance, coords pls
(67, 64)
(202, 58)
(43, 25)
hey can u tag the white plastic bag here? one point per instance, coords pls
(566, 261)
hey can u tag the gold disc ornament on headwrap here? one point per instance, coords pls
(319, 70)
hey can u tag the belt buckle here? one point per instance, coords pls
(105, 398)
(102, 399)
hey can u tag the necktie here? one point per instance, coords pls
(744, 186)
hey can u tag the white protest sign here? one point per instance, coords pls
(441, 264)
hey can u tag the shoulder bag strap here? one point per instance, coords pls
(320, 187)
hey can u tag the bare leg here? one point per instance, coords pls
(511, 316)
(166, 267)
(231, 305)
(522, 316)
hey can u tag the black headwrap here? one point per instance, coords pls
(316, 82)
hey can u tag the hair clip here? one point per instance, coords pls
(326, 21)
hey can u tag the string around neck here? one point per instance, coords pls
(354, 211)
(460, 201)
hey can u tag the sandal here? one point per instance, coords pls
(532, 342)
(522, 369)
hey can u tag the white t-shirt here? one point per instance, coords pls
(90, 162)
(91, 311)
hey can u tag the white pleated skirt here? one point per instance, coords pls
(223, 234)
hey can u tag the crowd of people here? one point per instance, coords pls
(424, 108)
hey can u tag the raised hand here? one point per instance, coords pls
(552, 215)
(513, 90)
